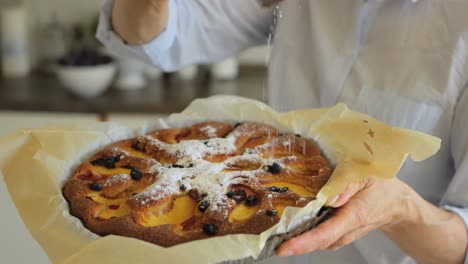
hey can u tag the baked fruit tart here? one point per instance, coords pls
(182, 184)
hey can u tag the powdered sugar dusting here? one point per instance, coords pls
(189, 151)
(206, 177)
(209, 131)
(210, 179)
(116, 179)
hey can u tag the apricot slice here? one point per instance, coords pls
(182, 209)
(137, 153)
(280, 206)
(111, 212)
(242, 212)
(106, 171)
(102, 200)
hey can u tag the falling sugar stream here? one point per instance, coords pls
(277, 15)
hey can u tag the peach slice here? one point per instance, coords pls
(136, 153)
(298, 189)
(121, 210)
(280, 206)
(99, 199)
(181, 209)
(242, 212)
(106, 171)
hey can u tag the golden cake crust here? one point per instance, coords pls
(182, 184)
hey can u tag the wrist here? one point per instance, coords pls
(408, 209)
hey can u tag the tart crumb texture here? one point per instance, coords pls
(182, 184)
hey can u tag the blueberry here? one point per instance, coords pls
(251, 200)
(177, 166)
(190, 165)
(274, 168)
(182, 187)
(210, 229)
(274, 189)
(238, 195)
(236, 125)
(98, 162)
(298, 135)
(284, 189)
(272, 212)
(203, 205)
(96, 186)
(108, 162)
(231, 193)
(136, 174)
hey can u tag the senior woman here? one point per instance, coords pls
(404, 62)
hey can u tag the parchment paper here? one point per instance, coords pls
(36, 163)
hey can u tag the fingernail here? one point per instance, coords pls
(285, 253)
(333, 200)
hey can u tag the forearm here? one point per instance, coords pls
(428, 233)
(138, 22)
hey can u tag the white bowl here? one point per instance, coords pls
(87, 81)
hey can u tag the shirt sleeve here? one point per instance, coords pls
(198, 31)
(456, 197)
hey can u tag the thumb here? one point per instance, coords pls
(351, 190)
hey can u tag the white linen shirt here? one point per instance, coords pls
(400, 61)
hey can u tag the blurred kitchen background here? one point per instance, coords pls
(54, 71)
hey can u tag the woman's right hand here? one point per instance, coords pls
(138, 22)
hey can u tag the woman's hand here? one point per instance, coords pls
(425, 232)
(364, 206)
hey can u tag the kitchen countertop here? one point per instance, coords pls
(168, 94)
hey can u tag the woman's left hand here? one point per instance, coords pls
(365, 206)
